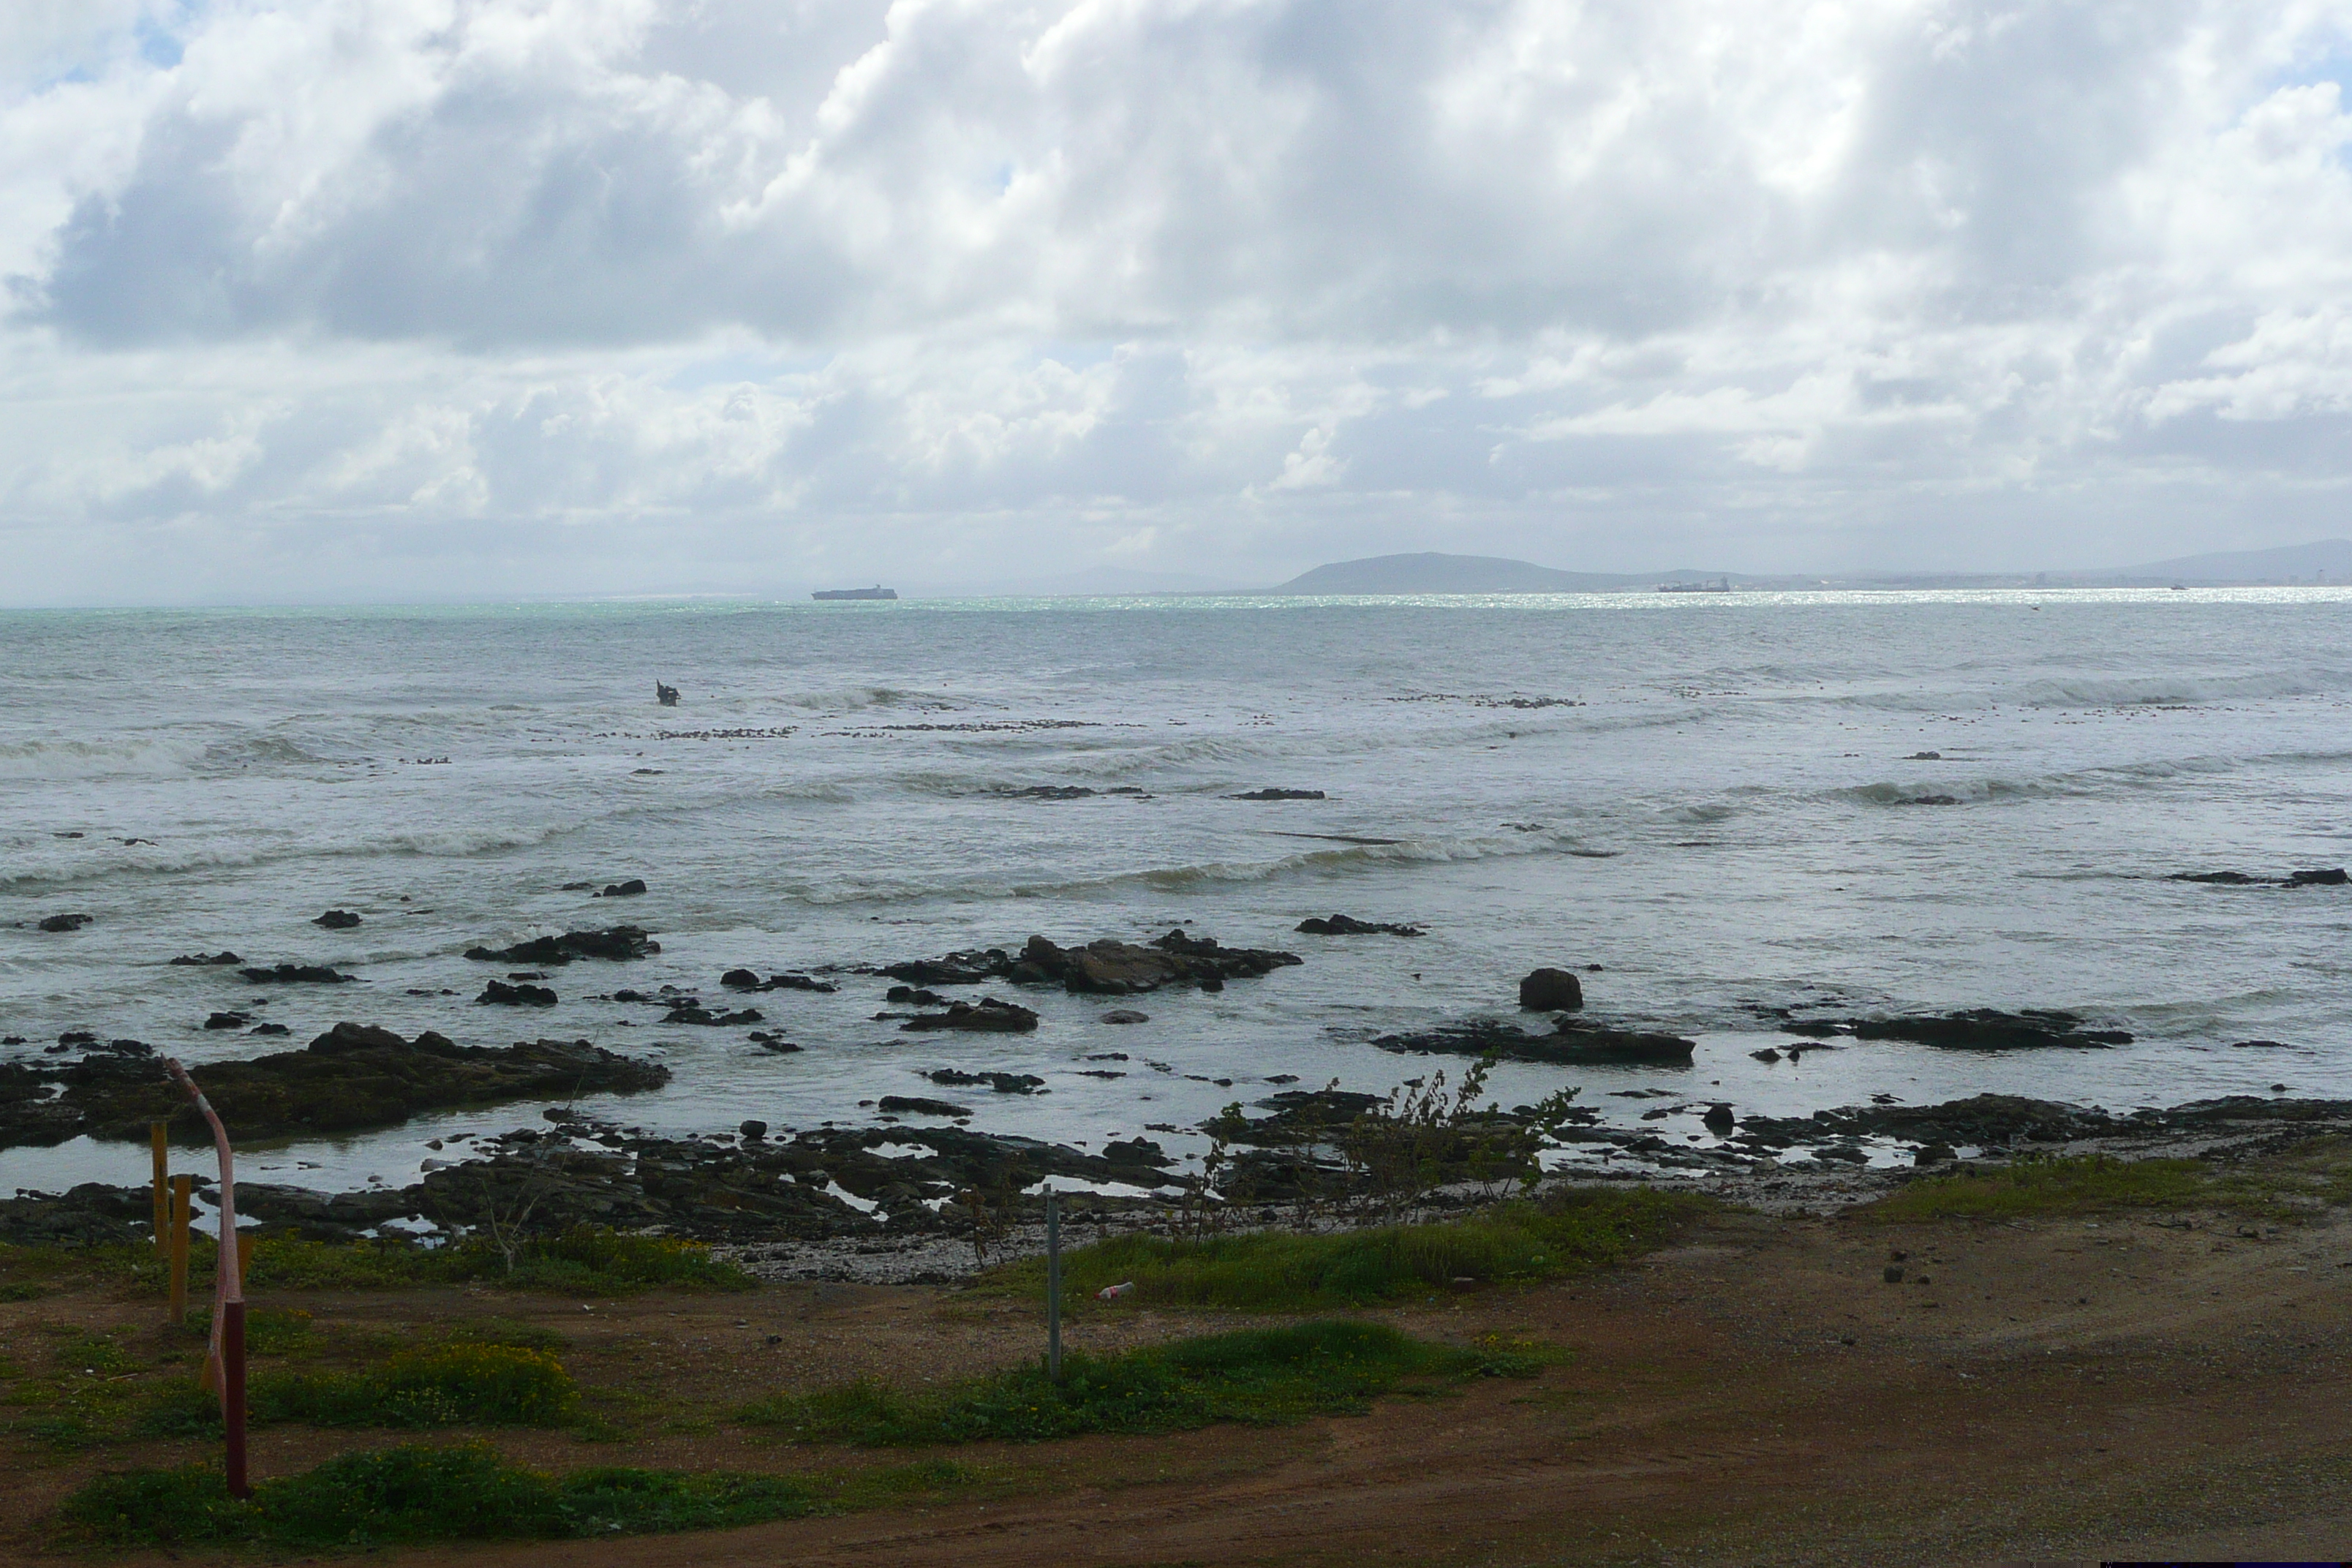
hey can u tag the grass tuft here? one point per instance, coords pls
(1278, 1271)
(2057, 1184)
(1260, 1376)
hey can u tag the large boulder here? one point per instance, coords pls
(1551, 991)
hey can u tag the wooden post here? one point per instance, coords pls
(227, 1360)
(163, 1163)
(1052, 1285)
(184, 1192)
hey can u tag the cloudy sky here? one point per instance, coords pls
(328, 299)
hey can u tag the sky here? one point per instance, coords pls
(335, 300)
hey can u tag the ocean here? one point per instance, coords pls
(1844, 804)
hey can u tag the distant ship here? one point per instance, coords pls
(875, 592)
(1720, 585)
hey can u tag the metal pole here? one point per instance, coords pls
(182, 1191)
(1054, 1285)
(162, 1161)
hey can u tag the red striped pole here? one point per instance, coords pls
(227, 1351)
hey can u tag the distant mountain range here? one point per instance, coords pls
(1430, 572)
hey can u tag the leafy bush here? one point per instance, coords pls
(414, 1494)
(1279, 1271)
(1260, 1376)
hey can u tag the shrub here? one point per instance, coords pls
(440, 1386)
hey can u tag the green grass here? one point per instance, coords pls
(440, 1386)
(414, 1495)
(1260, 1376)
(1278, 1271)
(587, 1260)
(2063, 1184)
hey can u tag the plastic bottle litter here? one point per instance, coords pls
(1113, 1293)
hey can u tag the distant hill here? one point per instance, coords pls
(1431, 572)
(2333, 556)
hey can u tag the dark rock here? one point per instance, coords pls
(2260, 1046)
(1719, 1118)
(66, 923)
(915, 995)
(1892, 1274)
(1551, 991)
(2221, 878)
(665, 695)
(956, 969)
(748, 980)
(1347, 925)
(2333, 877)
(1930, 800)
(1925, 757)
(915, 1105)
(1574, 1042)
(498, 991)
(227, 1021)
(1814, 1028)
(270, 1029)
(694, 1012)
(296, 973)
(1934, 1154)
(206, 960)
(753, 1131)
(1278, 795)
(337, 920)
(989, 1015)
(1001, 1082)
(771, 1042)
(619, 943)
(352, 1077)
(799, 983)
(1125, 1016)
(1050, 792)
(1113, 968)
(1987, 1030)
(628, 890)
(1767, 1055)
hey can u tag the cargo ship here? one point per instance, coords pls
(875, 593)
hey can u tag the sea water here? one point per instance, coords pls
(1723, 801)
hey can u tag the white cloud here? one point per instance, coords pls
(320, 292)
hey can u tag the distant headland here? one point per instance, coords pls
(1430, 572)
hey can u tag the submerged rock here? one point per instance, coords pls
(1347, 925)
(1989, 1030)
(1001, 1082)
(65, 923)
(206, 960)
(1278, 795)
(628, 890)
(619, 943)
(694, 1012)
(987, 1015)
(749, 980)
(1573, 1042)
(915, 1105)
(337, 920)
(295, 974)
(498, 991)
